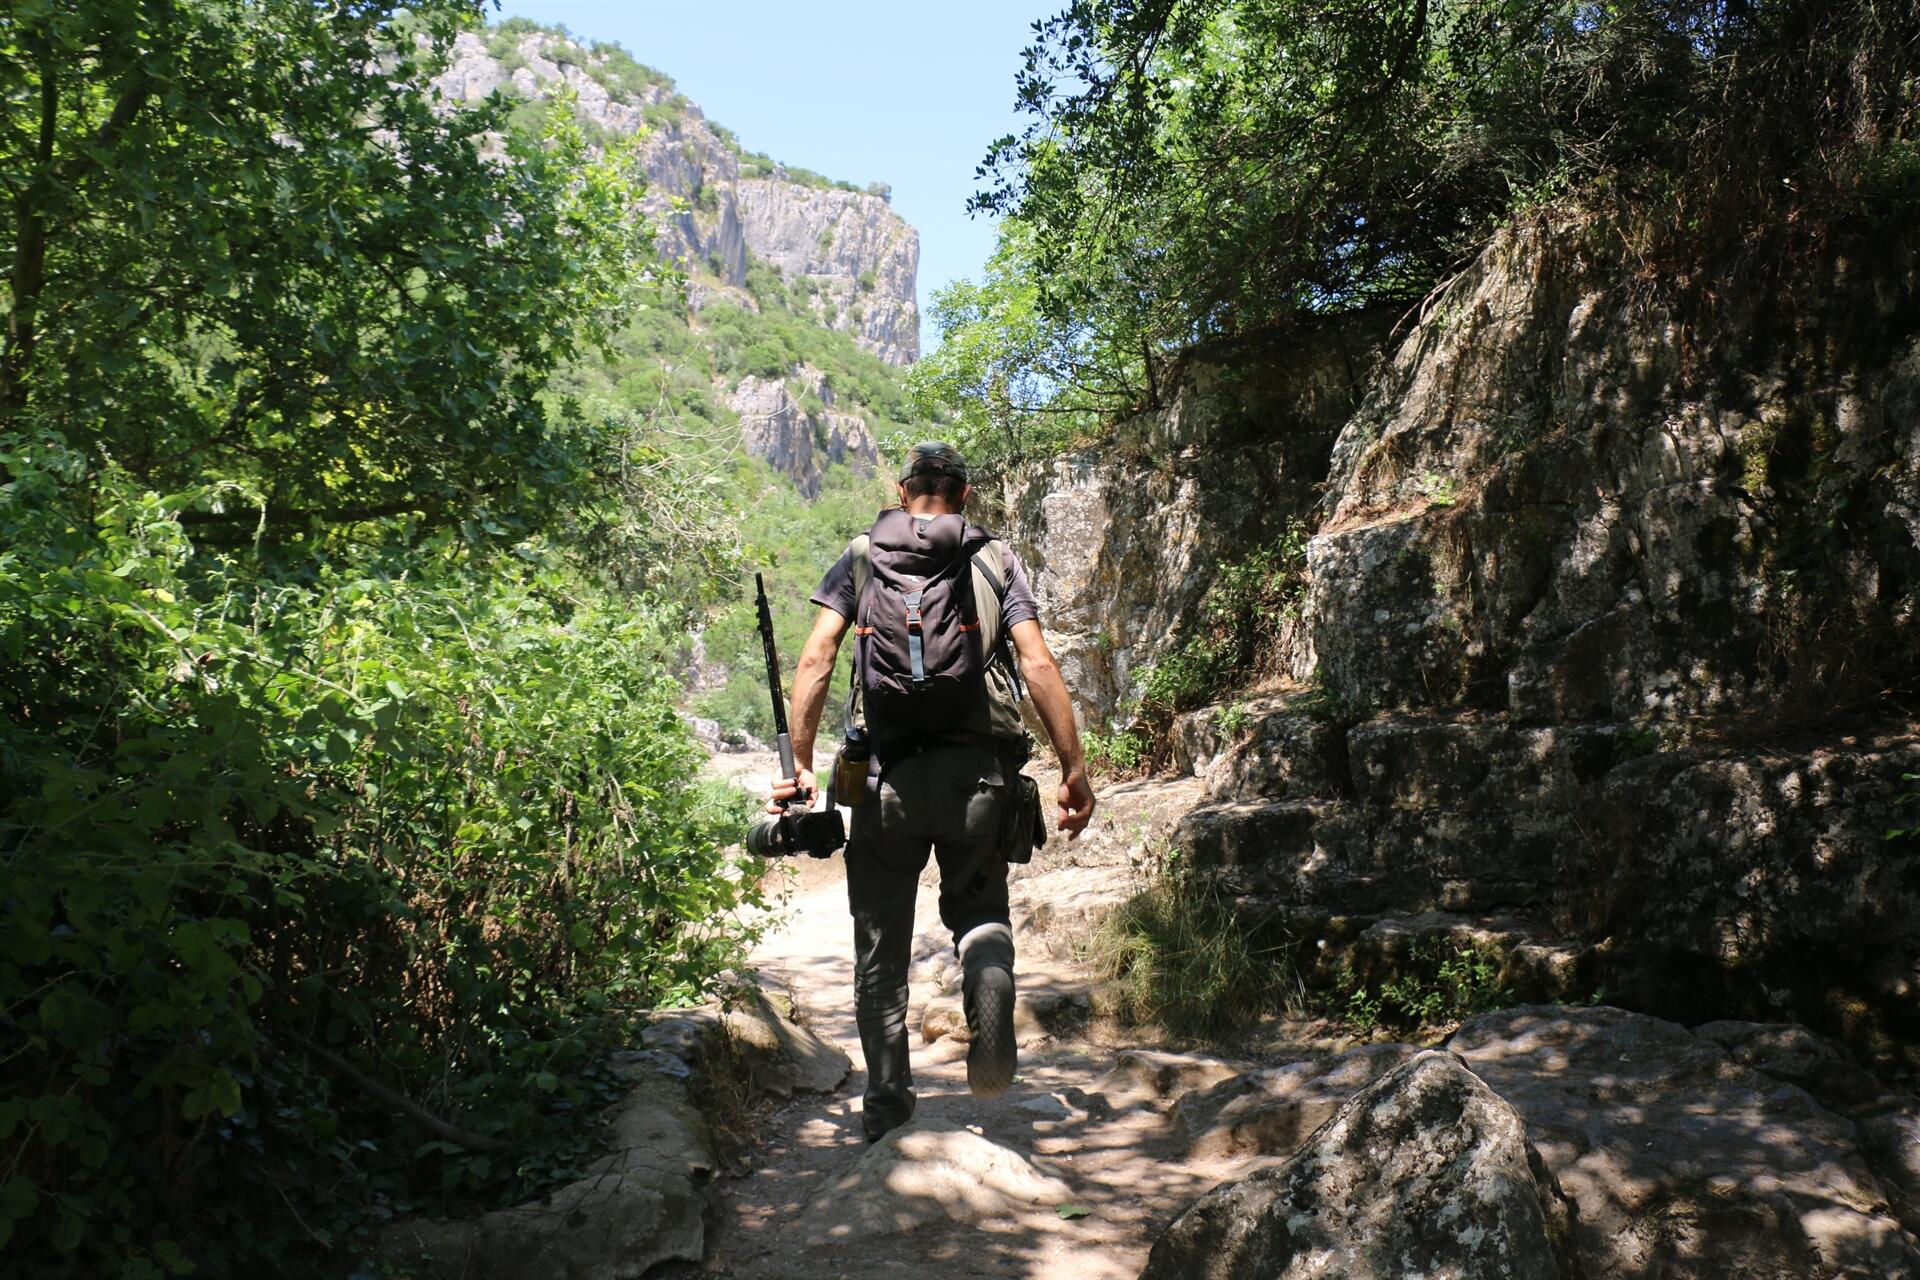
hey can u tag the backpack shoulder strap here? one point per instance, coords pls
(990, 563)
(861, 549)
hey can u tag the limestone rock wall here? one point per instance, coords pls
(775, 424)
(1122, 540)
(1563, 504)
(861, 255)
(1605, 608)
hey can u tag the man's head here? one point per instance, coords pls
(934, 474)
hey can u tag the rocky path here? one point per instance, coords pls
(1618, 1144)
(971, 1188)
(1541, 1142)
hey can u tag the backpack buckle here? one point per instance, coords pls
(915, 647)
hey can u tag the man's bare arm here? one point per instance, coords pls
(1049, 693)
(810, 681)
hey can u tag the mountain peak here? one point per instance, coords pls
(716, 203)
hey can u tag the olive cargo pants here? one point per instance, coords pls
(947, 799)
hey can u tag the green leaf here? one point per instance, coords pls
(1072, 1211)
(18, 1198)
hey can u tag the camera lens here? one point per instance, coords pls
(764, 838)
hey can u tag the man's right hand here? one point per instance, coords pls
(1076, 803)
(784, 791)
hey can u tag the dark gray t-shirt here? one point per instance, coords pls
(836, 592)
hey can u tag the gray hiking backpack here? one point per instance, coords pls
(930, 656)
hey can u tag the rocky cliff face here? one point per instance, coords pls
(1600, 607)
(1123, 540)
(861, 257)
(777, 424)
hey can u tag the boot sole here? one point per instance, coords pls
(992, 1054)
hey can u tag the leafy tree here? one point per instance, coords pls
(1195, 169)
(323, 757)
(244, 246)
(1012, 382)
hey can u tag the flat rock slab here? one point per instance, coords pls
(1148, 1075)
(924, 1172)
(1425, 1172)
(782, 1056)
(1683, 1161)
(786, 1056)
(643, 1204)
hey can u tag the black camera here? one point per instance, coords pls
(796, 829)
(815, 834)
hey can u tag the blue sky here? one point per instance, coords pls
(907, 92)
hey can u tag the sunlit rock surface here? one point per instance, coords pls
(861, 256)
(925, 1171)
(1587, 654)
(1425, 1172)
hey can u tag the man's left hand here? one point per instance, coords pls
(786, 790)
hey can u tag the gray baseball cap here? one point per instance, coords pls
(933, 458)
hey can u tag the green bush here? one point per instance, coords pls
(438, 822)
(1440, 981)
(340, 584)
(1906, 805)
(1119, 753)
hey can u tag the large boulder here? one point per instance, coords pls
(1425, 1172)
(1271, 1111)
(1683, 1161)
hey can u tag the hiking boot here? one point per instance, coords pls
(877, 1128)
(993, 1053)
(986, 989)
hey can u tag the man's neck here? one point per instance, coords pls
(928, 506)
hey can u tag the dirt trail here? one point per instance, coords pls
(1117, 1153)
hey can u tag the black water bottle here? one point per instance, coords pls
(850, 772)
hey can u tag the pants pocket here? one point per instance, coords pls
(984, 795)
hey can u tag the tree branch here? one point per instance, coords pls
(399, 1102)
(30, 253)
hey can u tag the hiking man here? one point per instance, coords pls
(941, 609)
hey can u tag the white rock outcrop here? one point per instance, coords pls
(861, 257)
(777, 425)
